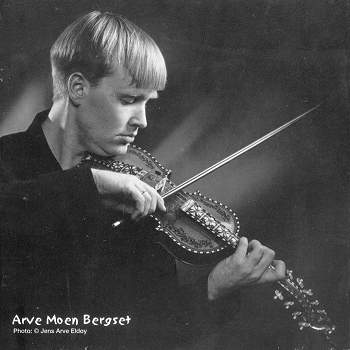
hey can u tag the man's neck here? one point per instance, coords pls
(61, 134)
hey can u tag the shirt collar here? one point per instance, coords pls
(35, 128)
(41, 148)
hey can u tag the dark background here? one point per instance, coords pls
(237, 69)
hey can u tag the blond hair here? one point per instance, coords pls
(96, 43)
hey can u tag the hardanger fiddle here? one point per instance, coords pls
(197, 229)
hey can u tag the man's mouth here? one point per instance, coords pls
(128, 138)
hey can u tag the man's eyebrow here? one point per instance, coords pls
(152, 95)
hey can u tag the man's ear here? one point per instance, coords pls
(78, 87)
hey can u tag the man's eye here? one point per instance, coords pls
(128, 100)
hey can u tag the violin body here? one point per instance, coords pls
(195, 229)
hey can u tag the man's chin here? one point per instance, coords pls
(118, 150)
(111, 150)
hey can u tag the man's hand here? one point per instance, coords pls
(248, 265)
(127, 194)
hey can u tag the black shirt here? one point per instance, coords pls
(61, 256)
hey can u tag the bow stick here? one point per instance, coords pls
(237, 154)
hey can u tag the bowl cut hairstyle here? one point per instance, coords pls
(96, 43)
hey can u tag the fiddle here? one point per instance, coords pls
(199, 230)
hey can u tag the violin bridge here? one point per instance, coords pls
(187, 205)
(161, 185)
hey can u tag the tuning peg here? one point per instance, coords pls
(321, 312)
(288, 304)
(290, 274)
(278, 295)
(302, 347)
(303, 325)
(300, 282)
(331, 330)
(296, 314)
(308, 292)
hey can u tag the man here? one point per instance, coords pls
(104, 70)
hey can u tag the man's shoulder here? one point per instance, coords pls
(13, 137)
(14, 145)
(23, 142)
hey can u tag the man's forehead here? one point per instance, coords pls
(121, 80)
(133, 91)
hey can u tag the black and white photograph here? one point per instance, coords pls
(174, 175)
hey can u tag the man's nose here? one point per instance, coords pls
(139, 117)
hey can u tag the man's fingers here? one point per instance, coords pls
(280, 268)
(154, 200)
(241, 250)
(160, 203)
(266, 259)
(153, 204)
(147, 202)
(139, 202)
(157, 200)
(129, 191)
(151, 198)
(144, 190)
(276, 273)
(256, 252)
